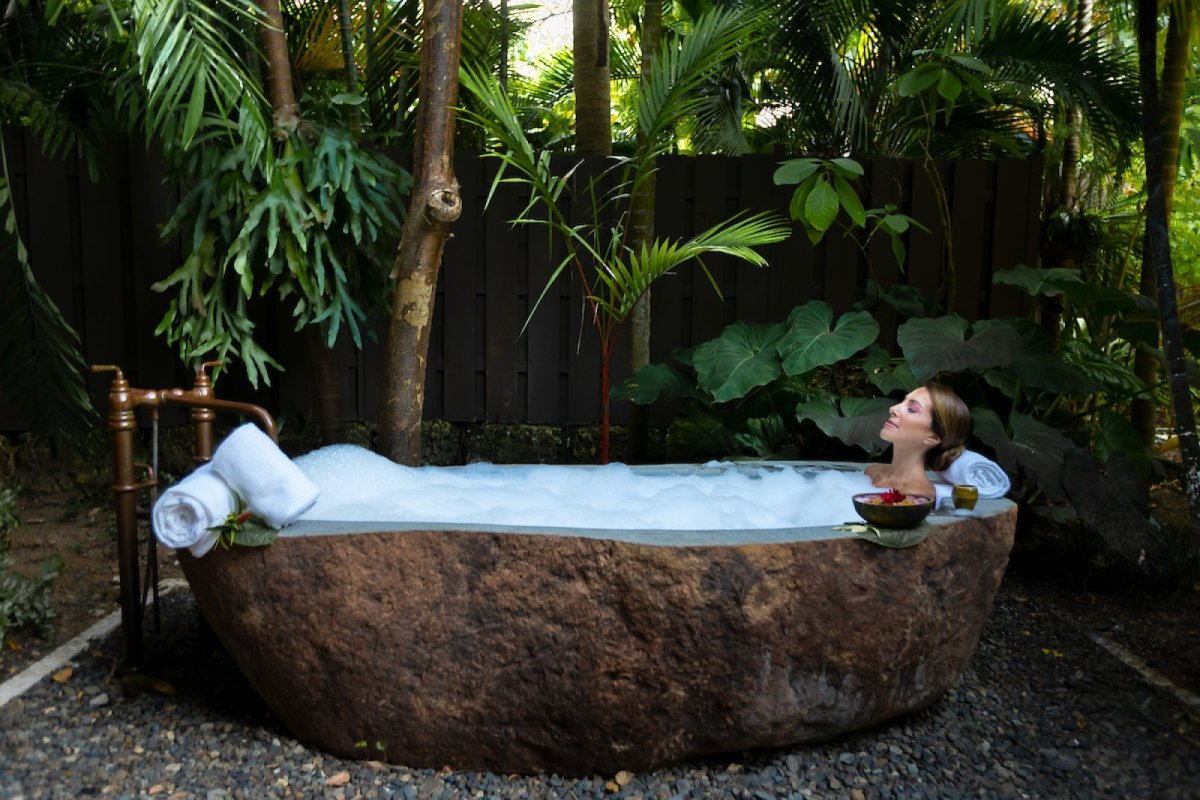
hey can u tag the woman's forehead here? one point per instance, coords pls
(920, 396)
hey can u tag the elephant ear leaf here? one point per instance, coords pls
(742, 358)
(1034, 446)
(939, 344)
(1036, 365)
(813, 341)
(652, 382)
(886, 376)
(857, 424)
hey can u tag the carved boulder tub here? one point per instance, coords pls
(589, 651)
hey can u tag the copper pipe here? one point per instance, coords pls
(123, 402)
(122, 422)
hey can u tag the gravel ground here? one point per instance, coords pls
(1041, 712)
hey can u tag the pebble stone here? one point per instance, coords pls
(1020, 723)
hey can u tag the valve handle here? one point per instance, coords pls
(202, 376)
(97, 368)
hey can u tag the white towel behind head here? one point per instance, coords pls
(184, 513)
(973, 468)
(268, 483)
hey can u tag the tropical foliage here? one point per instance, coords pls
(620, 273)
(752, 390)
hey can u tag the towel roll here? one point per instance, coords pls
(979, 471)
(185, 512)
(270, 486)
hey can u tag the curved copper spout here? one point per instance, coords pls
(181, 397)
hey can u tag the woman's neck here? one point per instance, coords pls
(906, 472)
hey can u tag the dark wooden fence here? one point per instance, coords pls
(95, 248)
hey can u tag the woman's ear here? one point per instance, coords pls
(933, 440)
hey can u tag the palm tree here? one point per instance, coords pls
(623, 272)
(1160, 248)
(831, 71)
(593, 88)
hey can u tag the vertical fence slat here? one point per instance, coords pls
(583, 393)
(49, 234)
(505, 262)
(754, 191)
(708, 310)
(1008, 243)
(541, 335)
(460, 322)
(887, 187)
(973, 193)
(151, 199)
(671, 221)
(103, 252)
(925, 250)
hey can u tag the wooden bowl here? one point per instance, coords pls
(884, 515)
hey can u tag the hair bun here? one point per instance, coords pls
(943, 459)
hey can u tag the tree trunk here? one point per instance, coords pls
(1160, 245)
(286, 116)
(1174, 75)
(351, 68)
(285, 112)
(327, 392)
(643, 232)
(434, 206)
(593, 89)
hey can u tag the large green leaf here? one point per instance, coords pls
(1035, 365)
(858, 423)
(938, 344)
(1111, 376)
(1034, 446)
(699, 434)
(813, 341)
(652, 382)
(1055, 281)
(887, 376)
(1116, 434)
(740, 359)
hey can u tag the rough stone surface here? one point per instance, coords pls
(532, 653)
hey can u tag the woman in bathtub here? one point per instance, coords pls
(928, 430)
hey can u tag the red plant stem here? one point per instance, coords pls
(605, 357)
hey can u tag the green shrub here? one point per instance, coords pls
(8, 517)
(24, 601)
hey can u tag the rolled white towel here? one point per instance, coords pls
(185, 512)
(979, 471)
(269, 484)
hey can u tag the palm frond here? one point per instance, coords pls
(188, 56)
(685, 63)
(39, 350)
(736, 237)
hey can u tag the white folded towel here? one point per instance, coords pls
(184, 513)
(270, 486)
(987, 476)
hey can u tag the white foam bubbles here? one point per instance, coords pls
(360, 486)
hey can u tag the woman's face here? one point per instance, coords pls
(910, 421)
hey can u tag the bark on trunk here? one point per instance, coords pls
(284, 110)
(1174, 75)
(643, 232)
(286, 116)
(1160, 246)
(434, 206)
(593, 90)
(327, 393)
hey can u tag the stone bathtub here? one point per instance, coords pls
(588, 651)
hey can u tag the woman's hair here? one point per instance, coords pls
(951, 421)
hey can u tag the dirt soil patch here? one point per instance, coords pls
(80, 528)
